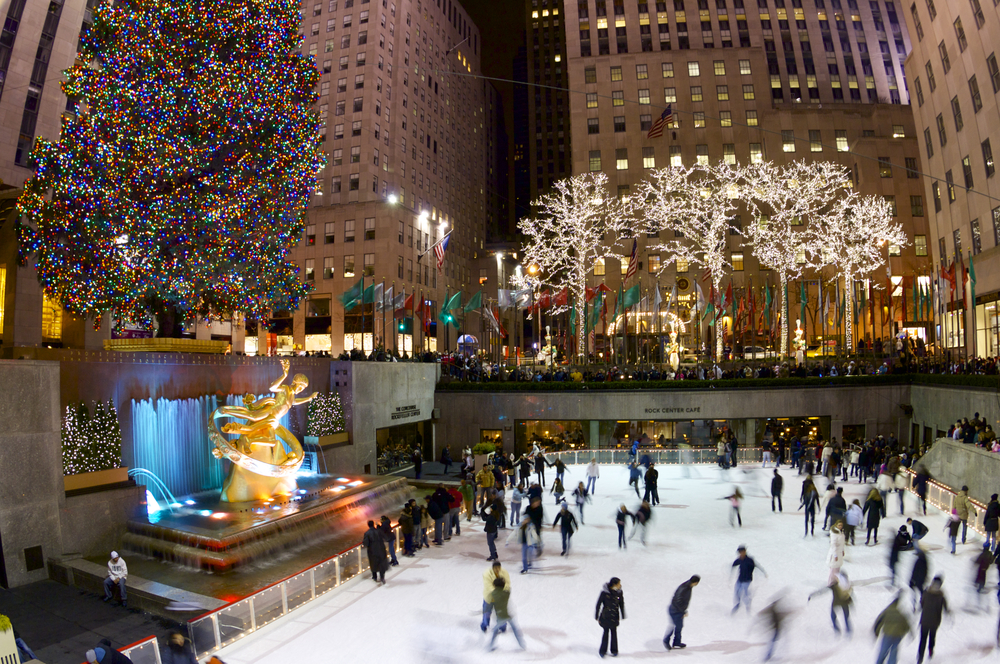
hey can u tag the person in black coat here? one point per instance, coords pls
(677, 610)
(176, 651)
(534, 510)
(524, 469)
(377, 559)
(105, 654)
(436, 515)
(837, 507)
(652, 474)
(385, 527)
(777, 483)
(918, 577)
(418, 462)
(920, 483)
(900, 543)
(621, 519)
(991, 521)
(490, 526)
(568, 527)
(875, 509)
(610, 607)
(540, 467)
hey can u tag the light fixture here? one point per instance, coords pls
(393, 199)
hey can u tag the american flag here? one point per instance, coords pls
(439, 250)
(633, 261)
(665, 120)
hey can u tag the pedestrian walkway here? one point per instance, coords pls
(431, 471)
(60, 623)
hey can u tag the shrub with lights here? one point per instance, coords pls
(91, 442)
(186, 161)
(326, 415)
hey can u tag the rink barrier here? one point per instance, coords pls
(227, 624)
(146, 651)
(943, 497)
(663, 457)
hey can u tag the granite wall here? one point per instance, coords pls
(936, 408)
(93, 523)
(31, 478)
(955, 465)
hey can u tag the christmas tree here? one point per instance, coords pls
(326, 415)
(185, 166)
(91, 442)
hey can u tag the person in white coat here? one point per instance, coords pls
(593, 472)
(117, 575)
(835, 556)
(885, 485)
(900, 485)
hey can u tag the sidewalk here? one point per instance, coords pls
(431, 472)
(60, 623)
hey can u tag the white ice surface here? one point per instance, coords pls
(430, 609)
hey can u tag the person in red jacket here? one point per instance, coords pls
(454, 508)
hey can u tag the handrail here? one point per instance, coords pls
(943, 490)
(143, 651)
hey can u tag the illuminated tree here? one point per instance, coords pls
(326, 415)
(577, 224)
(182, 174)
(854, 239)
(786, 201)
(699, 205)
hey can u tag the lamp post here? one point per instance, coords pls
(535, 331)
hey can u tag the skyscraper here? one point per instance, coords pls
(955, 79)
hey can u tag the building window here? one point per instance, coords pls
(621, 159)
(654, 263)
(745, 68)
(884, 167)
(977, 13)
(670, 95)
(645, 122)
(369, 265)
(720, 67)
(668, 70)
(912, 171)
(701, 152)
(590, 75)
(329, 232)
(699, 119)
(722, 92)
(681, 266)
(623, 264)
(348, 267)
(936, 193)
(370, 228)
(310, 272)
(619, 124)
(988, 158)
(960, 35)
(977, 100)
(815, 143)
(920, 245)
(591, 100)
(928, 143)
(916, 206)
(956, 111)
(599, 267)
(400, 235)
(641, 73)
(891, 200)
(996, 226)
(842, 140)
(942, 134)
(956, 238)
(675, 156)
(737, 261)
(617, 98)
(725, 119)
(920, 91)
(729, 153)
(349, 230)
(967, 172)
(930, 76)
(950, 181)
(756, 153)
(648, 158)
(328, 267)
(644, 97)
(696, 93)
(694, 69)
(748, 92)
(399, 267)
(787, 140)
(593, 126)
(751, 118)
(335, 184)
(977, 242)
(616, 73)
(595, 160)
(991, 62)
(409, 269)
(945, 61)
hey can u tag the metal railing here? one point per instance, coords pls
(217, 629)
(943, 498)
(666, 457)
(146, 651)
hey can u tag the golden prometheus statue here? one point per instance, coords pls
(266, 455)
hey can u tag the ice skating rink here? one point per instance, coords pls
(430, 608)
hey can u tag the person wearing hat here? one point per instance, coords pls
(117, 575)
(105, 654)
(610, 609)
(746, 566)
(176, 650)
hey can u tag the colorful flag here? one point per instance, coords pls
(350, 298)
(385, 302)
(802, 301)
(665, 120)
(439, 250)
(572, 320)
(561, 299)
(633, 261)
(632, 296)
(657, 300)
(505, 298)
(401, 304)
(454, 302)
(972, 283)
(595, 313)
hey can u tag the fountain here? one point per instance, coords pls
(267, 503)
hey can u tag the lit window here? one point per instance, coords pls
(898, 131)
(920, 245)
(617, 98)
(756, 153)
(699, 119)
(648, 158)
(725, 119)
(748, 92)
(595, 160)
(696, 93)
(670, 95)
(668, 70)
(694, 69)
(745, 68)
(738, 261)
(616, 73)
(644, 97)
(722, 92)
(884, 167)
(591, 100)
(751, 118)
(815, 143)
(729, 153)
(702, 154)
(787, 140)
(675, 156)
(599, 267)
(720, 67)
(621, 159)
(653, 261)
(842, 140)
(681, 265)
(641, 72)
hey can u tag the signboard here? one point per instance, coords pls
(405, 412)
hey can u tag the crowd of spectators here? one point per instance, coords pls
(978, 432)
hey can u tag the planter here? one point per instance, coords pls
(8, 648)
(334, 440)
(161, 345)
(90, 480)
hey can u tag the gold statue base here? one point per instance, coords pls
(242, 485)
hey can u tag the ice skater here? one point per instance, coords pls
(835, 556)
(568, 521)
(841, 590)
(633, 478)
(746, 566)
(775, 615)
(777, 484)
(852, 520)
(899, 544)
(735, 501)
(809, 500)
(641, 521)
(557, 490)
(982, 563)
(492, 574)
(516, 497)
(525, 535)
(593, 472)
(500, 598)
(875, 509)
(932, 604)
(652, 474)
(609, 611)
(621, 518)
(893, 625)
(677, 611)
(918, 575)
(582, 497)
(917, 530)
(378, 560)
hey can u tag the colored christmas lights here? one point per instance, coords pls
(326, 415)
(91, 442)
(181, 178)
